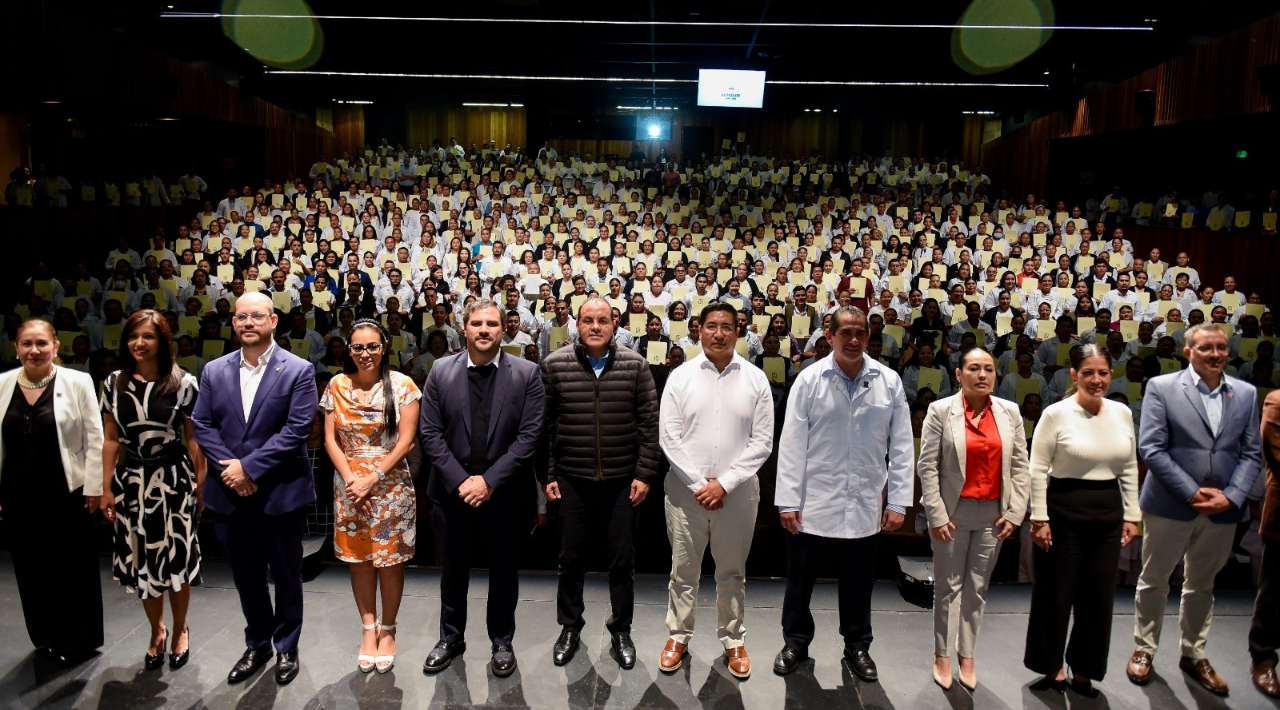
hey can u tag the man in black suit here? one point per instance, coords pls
(480, 423)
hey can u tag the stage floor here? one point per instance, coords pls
(903, 647)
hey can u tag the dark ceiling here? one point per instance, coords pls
(1072, 58)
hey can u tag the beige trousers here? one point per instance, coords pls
(961, 575)
(1204, 548)
(728, 530)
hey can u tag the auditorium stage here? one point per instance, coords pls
(903, 647)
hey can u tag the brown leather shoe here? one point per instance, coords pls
(672, 656)
(1139, 668)
(738, 662)
(1264, 679)
(1204, 674)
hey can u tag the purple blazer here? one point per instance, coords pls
(271, 445)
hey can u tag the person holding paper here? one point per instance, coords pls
(716, 428)
(480, 422)
(598, 462)
(846, 416)
(1199, 438)
(924, 373)
(974, 487)
(252, 418)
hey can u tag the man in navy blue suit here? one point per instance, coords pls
(252, 420)
(480, 423)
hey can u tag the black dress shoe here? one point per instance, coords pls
(861, 664)
(624, 651)
(503, 662)
(286, 667)
(442, 655)
(788, 659)
(248, 664)
(566, 645)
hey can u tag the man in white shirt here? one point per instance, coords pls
(716, 428)
(403, 292)
(845, 416)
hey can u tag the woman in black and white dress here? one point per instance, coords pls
(153, 471)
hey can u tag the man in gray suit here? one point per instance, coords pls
(480, 422)
(1200, 439)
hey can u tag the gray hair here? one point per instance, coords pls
(851, 311)
(480, 304)
(1193, 333)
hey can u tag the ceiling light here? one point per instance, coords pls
(654, 23)
(492, 104)
(651, 80)
(166, 118)
(835, 110)
(978, 113)
(364, 102)
(807, 110)
(622, 107)
(817, 110)
(51, 102)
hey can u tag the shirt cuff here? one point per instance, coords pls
(896, 509)
(788, 509)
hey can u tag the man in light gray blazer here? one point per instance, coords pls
(1200, 440)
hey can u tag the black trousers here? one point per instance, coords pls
(1264, 632)
(592, 512)
(854, 562)
(55, 563)
(498, 523)
(256, 544)
(1077, 575)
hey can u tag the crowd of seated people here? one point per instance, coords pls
(411, 236)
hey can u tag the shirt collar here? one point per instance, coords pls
(705, 363)
(597, 362)
(263, 359)
(870, 368)
(1199, 383)
(497, 359)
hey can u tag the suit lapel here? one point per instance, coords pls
(460, 387)
(1006, 451)
(1193, 396)
(269, 378)
(958, 433)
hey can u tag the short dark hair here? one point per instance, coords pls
(718, 306)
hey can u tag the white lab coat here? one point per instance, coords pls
(832, 452)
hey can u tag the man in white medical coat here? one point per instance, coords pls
(846, 440)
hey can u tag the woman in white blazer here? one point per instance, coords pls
(974, 487)
(50, 486)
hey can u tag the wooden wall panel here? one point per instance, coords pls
(471, 125)
(348, 129)
(15, 145)
(1217, 79)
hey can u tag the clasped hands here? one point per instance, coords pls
(236, 479)
(946, 532)
(1210, 501)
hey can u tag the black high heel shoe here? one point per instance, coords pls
(178, 660)
(154, 662)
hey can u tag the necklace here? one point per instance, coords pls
(41, 384)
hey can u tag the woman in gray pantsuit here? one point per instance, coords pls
(974, 486)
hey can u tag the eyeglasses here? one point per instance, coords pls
(361, 348)
(255, 317)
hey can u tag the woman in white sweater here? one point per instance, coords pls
(1084, 508)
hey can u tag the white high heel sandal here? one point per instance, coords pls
(384, 664)
(364, 662)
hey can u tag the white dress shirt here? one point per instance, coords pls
(1212, 399)
(831, 455)
(251, 377)
(716, 424)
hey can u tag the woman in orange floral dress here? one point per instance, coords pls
(369, 426)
